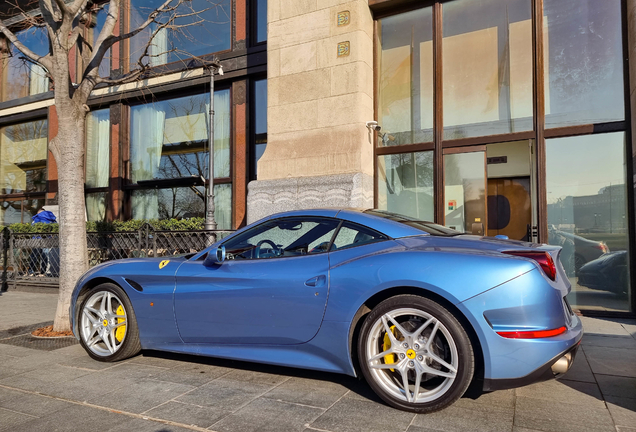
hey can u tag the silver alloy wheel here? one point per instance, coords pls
(414, 353)
(100, 322)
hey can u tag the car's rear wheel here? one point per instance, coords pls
(107, 324)
(415, 354)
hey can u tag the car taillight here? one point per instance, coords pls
(603, 247)
(532, 334)
(543, 258)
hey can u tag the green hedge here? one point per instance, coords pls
(131, 225)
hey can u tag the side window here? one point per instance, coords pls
(351, 235)
(283, 238)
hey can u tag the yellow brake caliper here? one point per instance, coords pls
(121, 331)
(389, 358)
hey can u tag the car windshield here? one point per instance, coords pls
(428, 227)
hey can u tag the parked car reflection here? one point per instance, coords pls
(577, 250)
(607, 273)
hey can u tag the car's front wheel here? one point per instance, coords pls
(415, 354)
(107, 324)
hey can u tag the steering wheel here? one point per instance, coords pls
(275, 248)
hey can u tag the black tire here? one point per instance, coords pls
(129, 344)
(381, 379)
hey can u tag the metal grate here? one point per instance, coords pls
(34, 259)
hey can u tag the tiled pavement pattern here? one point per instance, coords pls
(64, 390)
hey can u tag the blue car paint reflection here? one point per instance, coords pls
(301, 311)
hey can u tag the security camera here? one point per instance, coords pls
(373, 125)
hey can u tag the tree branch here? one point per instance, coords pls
(44, 61)
(62, 5)
(51, 15)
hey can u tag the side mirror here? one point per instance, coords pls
(215, 257)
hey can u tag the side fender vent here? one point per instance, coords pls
(135, 285)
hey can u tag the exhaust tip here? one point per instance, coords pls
(563, 364)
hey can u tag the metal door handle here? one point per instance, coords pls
(316, 281)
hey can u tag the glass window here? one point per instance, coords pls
(282, 238)
(181, 203)
(587, 217)
(351, 235)
(169, 138)
(96, 206)
(92, 34)
(21, 78)
(23, 152)
(583, 56)
(261, 21)
(203, 27)
(260, 123)
(20, 211)
(97, 148)
(465, 192)
(405, 83)
(487, 56)
(405, 184)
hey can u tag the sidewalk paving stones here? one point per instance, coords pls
(65, 390)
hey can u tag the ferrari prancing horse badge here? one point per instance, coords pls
(163, 263)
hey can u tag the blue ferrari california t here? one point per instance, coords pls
(419, 310)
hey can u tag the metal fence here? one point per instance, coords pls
(34, 259)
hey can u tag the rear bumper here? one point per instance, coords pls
(544, 373)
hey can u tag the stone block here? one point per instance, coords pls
(354, 77)
(273, 63)
(298, 30)
(353, 415)
(361, 50)
(179, 412)
(299, 87)
(273, 10)
(298, 58)
(310, 392)
(266, 197)
(292, 8)
(360, 18)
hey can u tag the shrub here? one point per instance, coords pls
(119, 226)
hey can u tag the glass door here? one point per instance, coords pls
(465, 187)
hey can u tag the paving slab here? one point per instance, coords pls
(188, 414)
(476, 418)
(611, 361)
(609, 341)
(11, 420)
(623, 410)
(310, 392)
(19, 308)
(582, 394)
(617, 386)
(73, 419)
(580, 370)
(266, 415)
(555, 416)
(354, 415)
(224, 395)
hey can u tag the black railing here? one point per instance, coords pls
(34, 259)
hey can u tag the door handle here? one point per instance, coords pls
(317, 281)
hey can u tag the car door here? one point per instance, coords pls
(271, 289)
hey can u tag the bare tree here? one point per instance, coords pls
(63, 21)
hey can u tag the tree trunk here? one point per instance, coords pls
(68, 149)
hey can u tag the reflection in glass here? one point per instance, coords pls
(405, 80)
(206, 30)
(93, 33)
(583, 62)
(405, 184)
(261, 21)
(23, 149)
(96, 206)
(260, 123)
(181, 203)
(487, 57)
(587, 217)
(19, 77)
(97, 148)
(20, 211)
(465, 192)
(169, 138)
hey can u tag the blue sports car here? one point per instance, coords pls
(420, 310)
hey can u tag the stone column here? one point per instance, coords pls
(320, 94)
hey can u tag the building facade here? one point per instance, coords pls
(494, 117)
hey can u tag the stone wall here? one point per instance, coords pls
(318, 100)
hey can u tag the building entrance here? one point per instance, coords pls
(488, 190)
